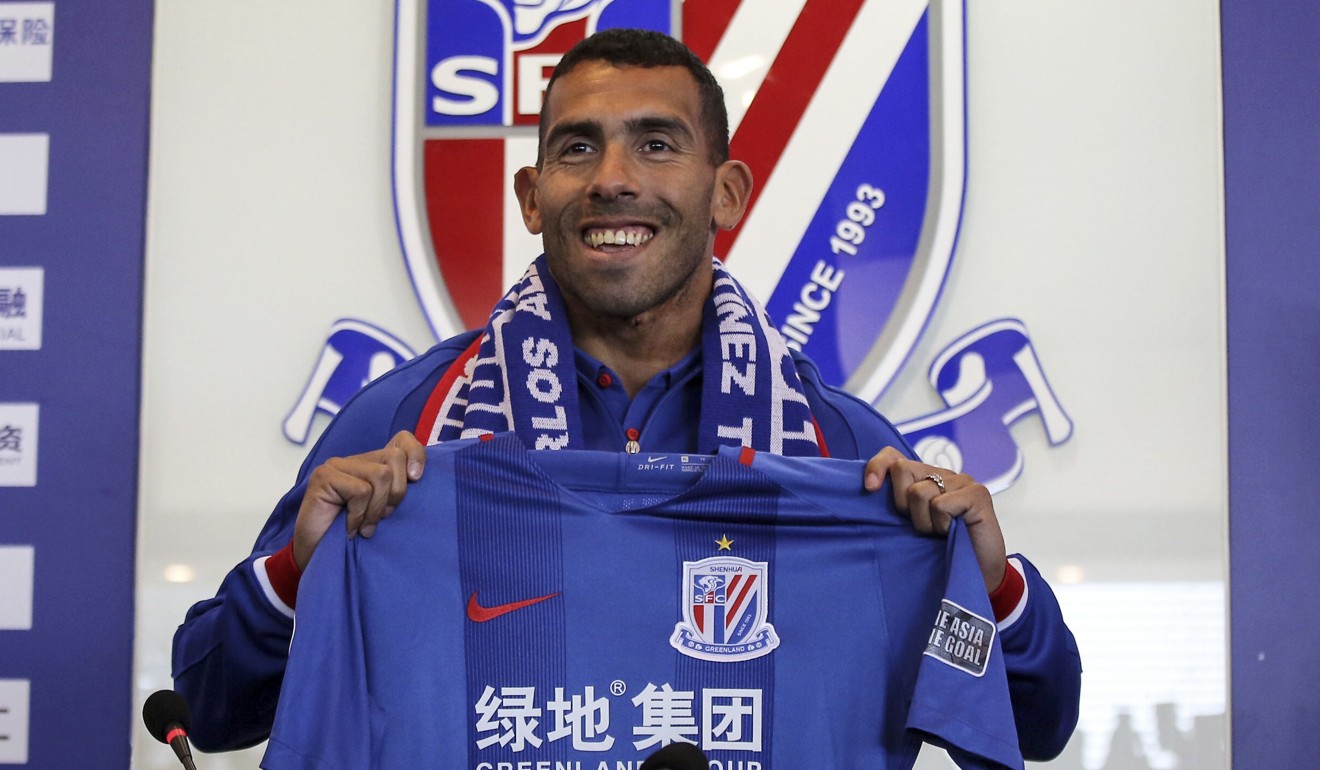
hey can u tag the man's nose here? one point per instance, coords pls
(615, 173)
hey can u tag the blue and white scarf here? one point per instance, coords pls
(520, 376)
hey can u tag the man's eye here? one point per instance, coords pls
(577, 148)
(655, 145)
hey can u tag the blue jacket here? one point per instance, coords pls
(231, 650)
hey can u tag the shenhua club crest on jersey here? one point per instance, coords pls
(725, 607)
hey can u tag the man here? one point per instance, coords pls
(632, 182)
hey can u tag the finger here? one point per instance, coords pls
(328, 489)
(919, 497)
(944, 507)
(910, 483)
(355, 502)
(973, 503)
(396, 478)
(332, 487)
(948, 498)
(940, 494)
(350, 483)
(878, 467)
(383, 477)
(919, 512)
(414, 453)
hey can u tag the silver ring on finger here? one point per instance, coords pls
(938, 479)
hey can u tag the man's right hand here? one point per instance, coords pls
(369, 486)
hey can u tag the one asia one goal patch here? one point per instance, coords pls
(961, 638)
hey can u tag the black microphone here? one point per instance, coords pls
(677, 756)
(167, 716)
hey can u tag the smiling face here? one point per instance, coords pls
(626, 197)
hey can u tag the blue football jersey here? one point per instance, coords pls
(530, 610)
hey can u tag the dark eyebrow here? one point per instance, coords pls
(664, 125)
(588, 128)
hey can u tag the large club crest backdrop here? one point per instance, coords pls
(850, 115)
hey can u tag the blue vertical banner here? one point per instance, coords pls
(74, 103)
(1271, 192)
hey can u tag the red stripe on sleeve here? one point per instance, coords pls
(284, 575)
(1005, 598)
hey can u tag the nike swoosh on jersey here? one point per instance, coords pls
(479, 614)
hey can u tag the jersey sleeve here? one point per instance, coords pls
(1044, 671)
(230, 652)
(323, 720)
(961, 701)
(1040, 654)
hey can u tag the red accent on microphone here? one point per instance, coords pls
(177, 732)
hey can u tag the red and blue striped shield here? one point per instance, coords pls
(725, 601)
(849, 113)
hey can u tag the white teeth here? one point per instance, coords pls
(597, 238)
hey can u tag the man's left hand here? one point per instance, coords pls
(932, 508)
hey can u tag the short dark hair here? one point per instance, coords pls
(646, 48)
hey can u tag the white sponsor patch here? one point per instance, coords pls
(961, 638)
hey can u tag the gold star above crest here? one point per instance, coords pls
(724, 543)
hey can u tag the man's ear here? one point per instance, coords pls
(733, 188)
(524, 186)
